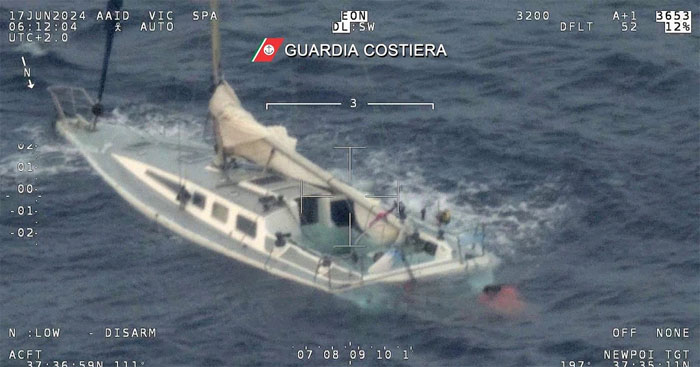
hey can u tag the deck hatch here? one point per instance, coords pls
(340, 212)
(262, 181)
(309, 210)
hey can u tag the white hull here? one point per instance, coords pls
(139, 168)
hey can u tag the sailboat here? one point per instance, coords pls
(257, 200)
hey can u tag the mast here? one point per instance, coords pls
(215, 45)
(219, 158)
(112, 5)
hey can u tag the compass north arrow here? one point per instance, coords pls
(27, 74)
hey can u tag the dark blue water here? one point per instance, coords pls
(580, 152)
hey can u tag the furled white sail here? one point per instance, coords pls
(239, 133)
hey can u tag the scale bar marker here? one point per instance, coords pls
(431, 104)
(268, 104)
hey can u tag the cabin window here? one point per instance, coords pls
(246, 226)
(198, 200)
(430, 248)
(219, 212)
(309, 210)
(340, 211)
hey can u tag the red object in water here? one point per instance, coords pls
(503, 299)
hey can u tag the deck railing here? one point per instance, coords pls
(71, 102)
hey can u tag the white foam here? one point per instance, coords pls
(56, 156)
(155, 120)
(50, 156)
(510, 225)
(32, 48)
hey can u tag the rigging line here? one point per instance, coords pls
(179, 153)
(406, 264)
(215, 45)
(110, 27)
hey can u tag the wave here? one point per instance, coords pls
(51, 155)
(54, 156)
(511, 222)
(33, 49)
